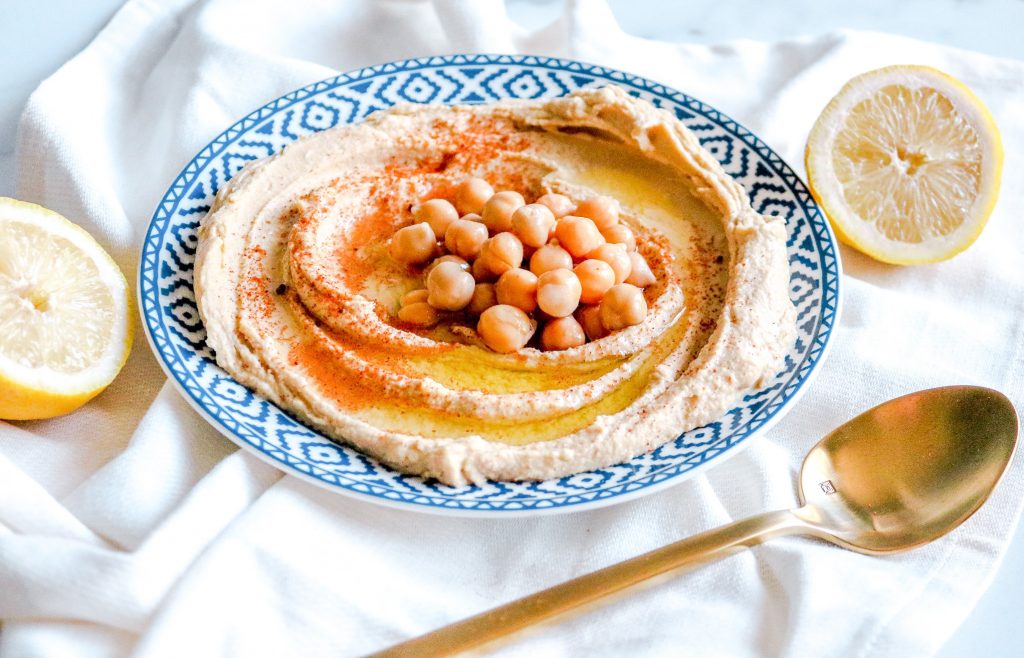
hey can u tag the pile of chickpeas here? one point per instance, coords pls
(572, 270)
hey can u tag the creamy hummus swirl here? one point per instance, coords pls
(299, 297)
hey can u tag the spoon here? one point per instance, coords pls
(896, 477)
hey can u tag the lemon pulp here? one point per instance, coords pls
(40, 302)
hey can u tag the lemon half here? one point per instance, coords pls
(906, 162)
(65, 328)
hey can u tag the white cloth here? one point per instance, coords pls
(132, 528)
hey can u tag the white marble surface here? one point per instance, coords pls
(37, 37)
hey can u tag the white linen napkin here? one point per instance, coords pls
(131, 527)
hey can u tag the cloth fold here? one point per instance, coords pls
(131, 528)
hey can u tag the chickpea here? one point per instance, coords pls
(590, 318)
(518, 287)
(640, 274)
(414, 296)
(465, 238)
(497, 213)
(620, 234)
(483, 273)
(558, 292)
(419, 314)
(447, 258)
(596, 278)
(550, 257)
(450, 287)
(473, 217)
(505, 328)
(533, 224)
(413, 245)
(617, 257)
(439, 213)
(562, 333)
(623, 306)
(472, 194)
(484, 297)
(578, 235)
(559, 204)
(603, 210)
(500, 254)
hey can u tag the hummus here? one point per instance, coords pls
(299, 298)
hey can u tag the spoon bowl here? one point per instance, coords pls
(908, 471)
(896, 477)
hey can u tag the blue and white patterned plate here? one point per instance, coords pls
(176, 334)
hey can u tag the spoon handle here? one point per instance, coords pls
(699, 549)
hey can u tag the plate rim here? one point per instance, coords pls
(824, 331)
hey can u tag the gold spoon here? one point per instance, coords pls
(894, 478)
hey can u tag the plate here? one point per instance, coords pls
(172, 323)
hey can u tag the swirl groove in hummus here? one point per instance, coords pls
(298, 295)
